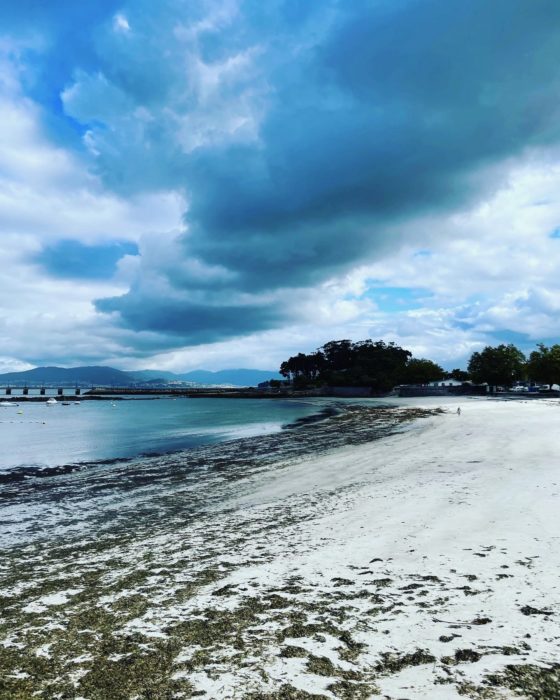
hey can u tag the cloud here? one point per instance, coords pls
(491, 273)
(191, 322)
(302, 138)
(51, 208)
(120, 23)
(278, 165)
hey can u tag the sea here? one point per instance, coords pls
(121, 465)
(36, 436)
(93, 465)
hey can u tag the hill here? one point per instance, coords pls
(152, 375)
(100, 376)
(109, 376)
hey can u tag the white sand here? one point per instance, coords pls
(455, 496)
(60, 598)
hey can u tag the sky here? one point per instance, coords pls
(224, 183)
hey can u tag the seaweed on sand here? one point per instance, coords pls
(526, 681)
(393, 663)
(349, 684)
(134, 623)
(285, 692)
(534, 682)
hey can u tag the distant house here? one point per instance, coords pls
(443, 387)
(447, 382)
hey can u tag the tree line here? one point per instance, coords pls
(504, 365)
(381, 366)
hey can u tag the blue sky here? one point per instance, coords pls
(224, 183)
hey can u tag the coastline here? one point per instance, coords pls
(414, 566)
(185, 481)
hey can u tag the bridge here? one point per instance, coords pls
(40, 390)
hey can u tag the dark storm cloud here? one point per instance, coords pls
(388, 117)
(367, 114)
(200, 323)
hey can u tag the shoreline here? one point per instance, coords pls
(205, 393)
(413, 566)
(179, 473)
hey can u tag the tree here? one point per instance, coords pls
(338, 355)
(304, 368)
(544, 364)
(459, 375)
(301, 366)
(498, 366)
(422, 372)
(378, 365)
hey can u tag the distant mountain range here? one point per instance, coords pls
(109, 376)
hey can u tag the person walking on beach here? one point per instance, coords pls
(458, 410)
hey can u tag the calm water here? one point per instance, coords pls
(97, 430)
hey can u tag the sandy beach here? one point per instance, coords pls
(420, 565)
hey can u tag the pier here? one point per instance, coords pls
(40, 391)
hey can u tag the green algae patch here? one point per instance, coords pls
(285, 692)
(131, 606)
(299, 630)
(351, 649)
(526, 681)
(17, 688)
(393, 663)
(289, 652)
(321, 666)
(382, 582)
(349, 684)
(347, 690)
(534, 682)
(144, 675)
(467, 656)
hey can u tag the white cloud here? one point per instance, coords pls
(47, 194)
(489, 270)
(9, 364)
(120, 24)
